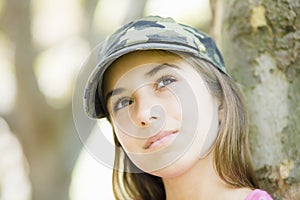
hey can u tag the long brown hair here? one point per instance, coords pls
(232, 159)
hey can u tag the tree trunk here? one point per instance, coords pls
(261, 45)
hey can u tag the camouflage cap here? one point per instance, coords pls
(151, 32)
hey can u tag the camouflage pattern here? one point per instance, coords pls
(148, 33)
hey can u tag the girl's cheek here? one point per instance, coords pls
(126, 139)
(122, 137)
(173, 106)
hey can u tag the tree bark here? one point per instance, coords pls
(261, 44)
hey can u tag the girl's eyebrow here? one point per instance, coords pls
(156, 69)
(114, 92)
(150, 73)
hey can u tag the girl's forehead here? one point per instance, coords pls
(142, 57)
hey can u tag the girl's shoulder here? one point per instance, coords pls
(258, 194)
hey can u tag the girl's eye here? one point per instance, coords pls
(164, 81)
(122, 102)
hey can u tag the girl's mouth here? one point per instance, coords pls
(160, 139)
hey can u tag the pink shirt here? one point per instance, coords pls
(259, 195)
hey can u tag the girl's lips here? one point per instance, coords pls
(157, 137)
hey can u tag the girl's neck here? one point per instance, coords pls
(202, 182)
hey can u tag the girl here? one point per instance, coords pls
(179, 121)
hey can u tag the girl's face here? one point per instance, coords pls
(161, 110)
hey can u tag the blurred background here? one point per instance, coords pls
(43, 44)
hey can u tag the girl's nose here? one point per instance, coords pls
(143, 109)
